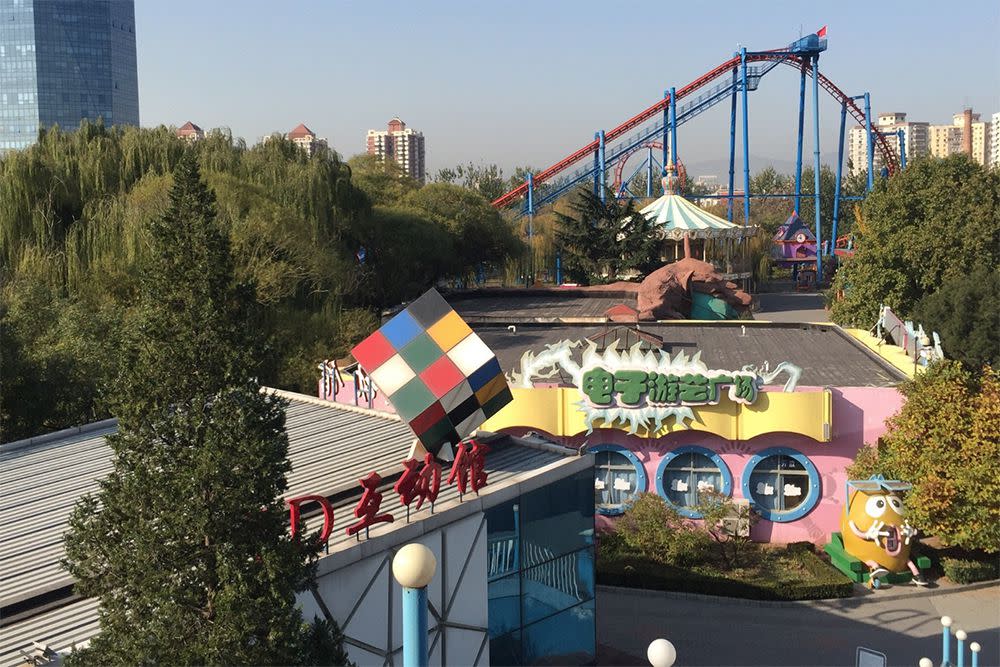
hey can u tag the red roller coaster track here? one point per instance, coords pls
(729, 67)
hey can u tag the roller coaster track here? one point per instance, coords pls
(706, 100)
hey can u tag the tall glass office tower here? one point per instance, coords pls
(62, 61)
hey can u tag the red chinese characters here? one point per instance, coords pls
(419, 485)
(294, 510)
(469, 467)
(368, 507)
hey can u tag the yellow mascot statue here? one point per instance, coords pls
(875, 529)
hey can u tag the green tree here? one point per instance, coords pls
(946, 442)
(480, 234)
(186, 543)
(965, 311)
(934, 221)
(383, 181)
(601, 240)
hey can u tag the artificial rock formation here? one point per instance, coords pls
(665, 294)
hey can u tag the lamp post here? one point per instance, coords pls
(661, 653)
(945, 640)
(413, 567)
(961, 637)
(926, 662)
(975, 648)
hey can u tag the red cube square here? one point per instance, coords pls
(442, 376)
(373, 351)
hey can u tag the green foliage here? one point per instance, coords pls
(383, 181)
(651, 528)
(946, 442)
(723, 520)
(963, 571)
(934, 222)
(186, 543)
(965, 312)
(601, 241)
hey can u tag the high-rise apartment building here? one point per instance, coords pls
(190, 132)
(945, 140)
(916, 138)
(980, 144)
(402, 144)
(307, 140)
(995, 141)
(63, 61)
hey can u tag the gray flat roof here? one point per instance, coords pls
(523, 305)
(330, 448)
(827, 355)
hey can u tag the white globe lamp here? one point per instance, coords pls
(661, 653)
(413, 566)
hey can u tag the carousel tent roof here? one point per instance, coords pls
(680, 218)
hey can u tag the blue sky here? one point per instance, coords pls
(517, 83)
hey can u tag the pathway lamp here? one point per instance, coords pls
(661, 653)
(413, 567)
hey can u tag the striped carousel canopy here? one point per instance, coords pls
(677, 218)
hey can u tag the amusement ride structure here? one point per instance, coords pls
(655, 129)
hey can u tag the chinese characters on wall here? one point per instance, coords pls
(637, 388)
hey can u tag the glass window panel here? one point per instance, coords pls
(616, 481)
(568, 638)
(558, 584)
(502, 547)
(683, 474)
(779, 483)
(557, 518)
(505, 604)
(506, 650)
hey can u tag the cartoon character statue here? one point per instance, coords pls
(875, 529)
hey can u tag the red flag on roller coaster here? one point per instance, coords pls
(821, 33)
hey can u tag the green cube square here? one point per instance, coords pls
(412, 399)
(421, 352)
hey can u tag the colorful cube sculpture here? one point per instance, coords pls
(440, 376)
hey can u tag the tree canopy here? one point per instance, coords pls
(186, 543)
(935, 221)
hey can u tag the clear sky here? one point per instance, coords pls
(526, 83)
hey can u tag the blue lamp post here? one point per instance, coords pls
(975, 648)
(946, 640)
(413, 567)
(960, 657)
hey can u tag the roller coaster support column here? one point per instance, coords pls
(871, 142)
(530, 278)
(798, 152)
(816, 168)
(836, 185)
(673, 131)
(649, 171)
(601, 166)
(746, 138)
(901, 134)
(666, 128)
(732, 149)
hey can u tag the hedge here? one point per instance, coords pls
(636, 572)
(963, 571)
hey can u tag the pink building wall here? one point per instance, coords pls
(859, 415)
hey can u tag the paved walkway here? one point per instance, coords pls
(791, 307)
(903, 623)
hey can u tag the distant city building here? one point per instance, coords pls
(190, 132)
(915, 137)
(995, 141)
(707, 181)
(980, 143)
(402, 144)
(63, 62)
(945, 140)
(307, 140)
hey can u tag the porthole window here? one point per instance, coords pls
(618, 478)
(689, 471)
(782, 483)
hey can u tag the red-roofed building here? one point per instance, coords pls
(402, 144)
(190, 132)
(306, 139)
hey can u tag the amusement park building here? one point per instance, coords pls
(515, 576)
(785, 451)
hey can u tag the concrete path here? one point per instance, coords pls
(903, 623)
(791, 307)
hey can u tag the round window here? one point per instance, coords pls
(782, 483)
(618, 478)
(687, 473)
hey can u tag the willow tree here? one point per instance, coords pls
(186, 544)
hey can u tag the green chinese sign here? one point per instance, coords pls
(633, 388)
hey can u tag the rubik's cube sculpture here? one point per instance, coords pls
(440, 376)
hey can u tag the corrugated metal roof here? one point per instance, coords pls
(313, 449)
(330, 447)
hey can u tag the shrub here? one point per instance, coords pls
(652, 529)
(964, 571)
